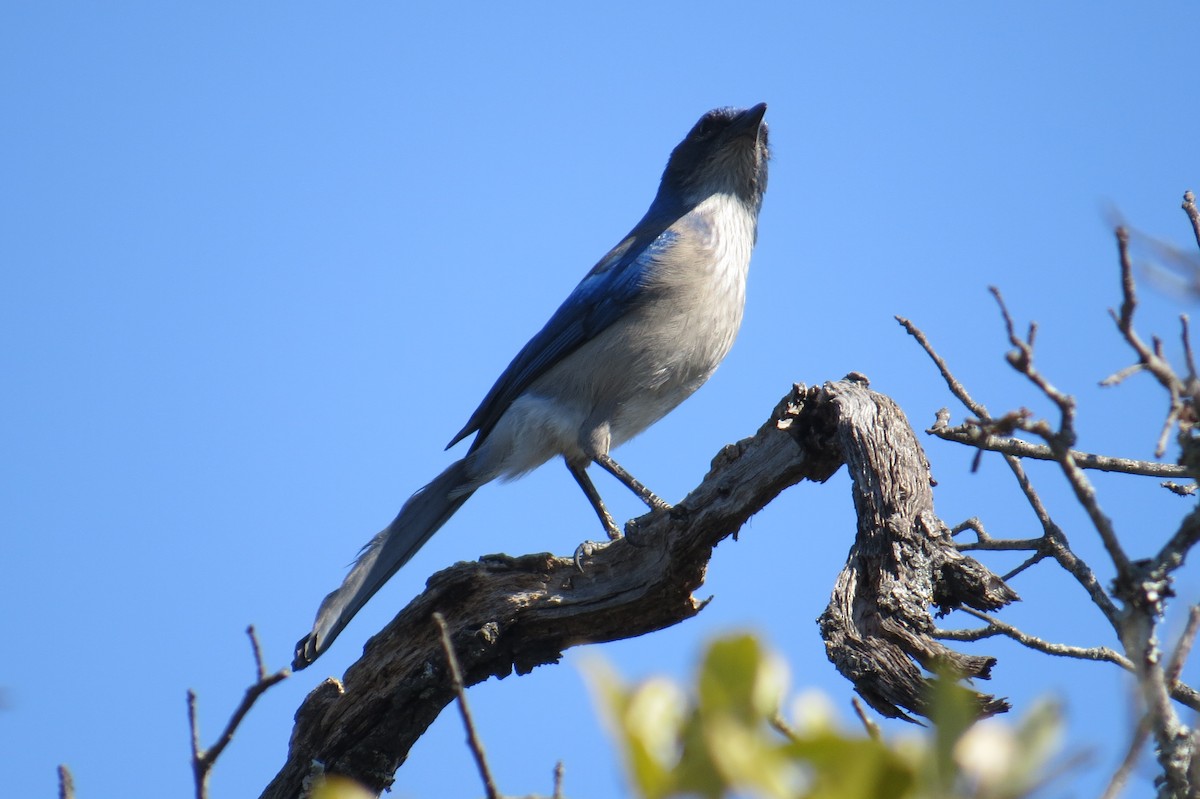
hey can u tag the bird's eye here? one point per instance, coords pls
(708, 125)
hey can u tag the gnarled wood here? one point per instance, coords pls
(515, 613)
(902, 562)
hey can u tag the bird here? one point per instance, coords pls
(645, 328)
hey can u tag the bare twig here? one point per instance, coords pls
(1171, 556)
(1122, 374)
(1054, 541)
(1062, 439)
(473, 740)
(1144, 586)
(1185, 334)
(1189, 207)
(66, 783)
(975, 524)
(1136, 743)
(974, 434)
(1180, 692)
(869, 723)
(1003, 545)
(1182, 490)
(1149, 359)
(1085, 493)
(558, 780)
(996, 627)
(1032, 560)
(1021, 359)
(1059, 442)
(956, 388)
(1141, 587)
(984, 541)
(782, 726)
(200, 766)
(1183, 647)
(202, 759)
(1059, 548)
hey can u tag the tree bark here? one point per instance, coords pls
(514, 613)
(902, 562)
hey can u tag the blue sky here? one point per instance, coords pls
(260, 262)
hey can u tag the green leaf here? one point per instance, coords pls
(954, 710)
(841, 767)
(738, 677)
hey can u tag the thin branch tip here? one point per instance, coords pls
(456, 680)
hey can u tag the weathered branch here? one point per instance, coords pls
(1193, 214)
(66, 783)
(1053, 541)
(460, 692)
(997, 627)
(203, 760)
(514, 613)
(974, 435)
(902, 562)
(1149, 358)
(1141, 587)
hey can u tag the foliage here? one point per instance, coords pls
(725, 736)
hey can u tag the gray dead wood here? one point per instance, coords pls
(514, 613)
(902, 562)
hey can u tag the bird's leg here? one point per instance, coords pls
(633, 484)
(589, 490)
(587, 548)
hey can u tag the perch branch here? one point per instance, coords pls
(510, 614)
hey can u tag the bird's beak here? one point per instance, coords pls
(748, 122)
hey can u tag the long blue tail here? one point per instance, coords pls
(424, 513)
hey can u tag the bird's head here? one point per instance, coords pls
(726, 152)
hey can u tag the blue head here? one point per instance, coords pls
(726, 152)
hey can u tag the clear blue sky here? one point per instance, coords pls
(260, 261)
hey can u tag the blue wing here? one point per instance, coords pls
(609, 290)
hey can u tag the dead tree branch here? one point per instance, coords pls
(974, 436)
(204, 759)
(997, 627)
(1141, 588)
(66, 783)
(1053, 542)
(460, 692)
(508, 614)
(902, 562)
(1193, 214)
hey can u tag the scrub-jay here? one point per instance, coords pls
(643, 330)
